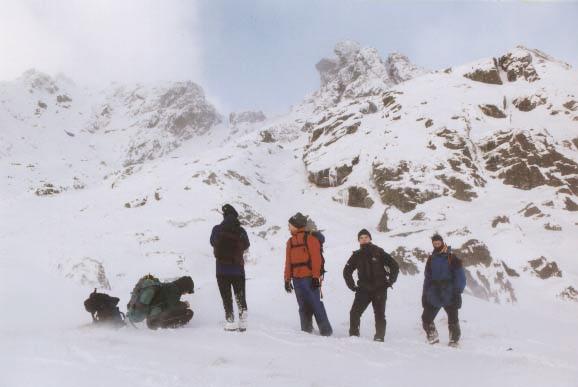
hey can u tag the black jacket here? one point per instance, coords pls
(371, 262)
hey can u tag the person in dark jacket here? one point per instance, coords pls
(443, 284)
(304, 274)
(229, 241)
(376, 271)
(166, 310)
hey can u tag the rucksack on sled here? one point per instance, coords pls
(103, 308)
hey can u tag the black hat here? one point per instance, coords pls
(298, 220)
(363, 232)
(229, 210)
(185, 285)
(437, 237)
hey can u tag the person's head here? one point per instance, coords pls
(185, 285)
(297, 222)
(437, 241)
(364, 237)
(229, 210)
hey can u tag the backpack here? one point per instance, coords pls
(103, 308)
(321, 238)
(228, 247)
(139, 305)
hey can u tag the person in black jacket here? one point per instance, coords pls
(229, 241)
(376, 271)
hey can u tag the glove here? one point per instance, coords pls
(315, 283)
(423, 300)
(388, 284)
(457, 301)
(288, 287)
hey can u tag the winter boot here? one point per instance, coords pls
(230, 324)
(431, 332)
(455, 333)
(378, 338)
(243, 320)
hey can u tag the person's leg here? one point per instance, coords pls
(224, 283)
(453, 324)
(240, 298)
(313, 299)
(360, 303)
(378, 300)
(171, 318)
(305, 312)
(429, 314)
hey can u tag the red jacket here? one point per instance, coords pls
(301, 261)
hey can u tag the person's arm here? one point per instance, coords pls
(214, 235)
(287, 272)
(459, 275)
(348, 270)
(393, 267)
(314, 248)
(245, 239)
(427, 275)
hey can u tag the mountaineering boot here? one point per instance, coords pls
(230, 324)
(431, 332)
(455, 333)
(243, 320)
(378, 338)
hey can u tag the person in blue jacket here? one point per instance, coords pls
(443, 285)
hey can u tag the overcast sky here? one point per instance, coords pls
(261, 54)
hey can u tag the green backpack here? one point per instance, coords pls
(141, 297)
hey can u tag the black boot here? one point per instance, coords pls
(431, 332)
(455, 333)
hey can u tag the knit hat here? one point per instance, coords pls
(437, 237)
(229, 210)
(298, 220)
(363, 232)
(185, 285)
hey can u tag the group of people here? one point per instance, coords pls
(160, 305)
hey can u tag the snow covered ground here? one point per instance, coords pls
(112, 222)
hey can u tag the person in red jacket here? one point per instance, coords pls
(303, 266)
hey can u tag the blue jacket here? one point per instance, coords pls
(223, 268)
(444, 278)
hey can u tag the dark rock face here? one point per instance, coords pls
(528, 159)
(249, 217)
(370, 108)
(473, 253)
(571, 105)
(492, 111)
(358, 197)
(499, 220)
(544, 269)
(382, 226)
(552, 227)
(48, 189)
(509, 271)
(403, 259)
(526, 104)
(518, 67)
(569, 294)
(63, 98)
(531, 210)
(267, 137)
(331, 177)
(490, 75)
(570, 205)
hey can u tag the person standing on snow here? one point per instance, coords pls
(444, 282)
(229, 241)
(376, 271)
(303, 267)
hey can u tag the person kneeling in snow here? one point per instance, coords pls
(443, 285)
(303, 265)
(160, 303)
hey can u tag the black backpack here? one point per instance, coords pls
(229, 246)
(103, 308)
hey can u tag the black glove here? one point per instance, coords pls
(457, 301)
(288, 286)
(315, 283)
(423, 300)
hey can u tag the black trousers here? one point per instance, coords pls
(237, 284)
(362, 300)
(430, 312)
(171, 318)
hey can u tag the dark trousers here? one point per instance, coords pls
(171, 318)
(237, 284)
(430, 312)
(361, 301)
(310, 304)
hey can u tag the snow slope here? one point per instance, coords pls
(126, 197)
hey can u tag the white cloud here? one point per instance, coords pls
(97, 41)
